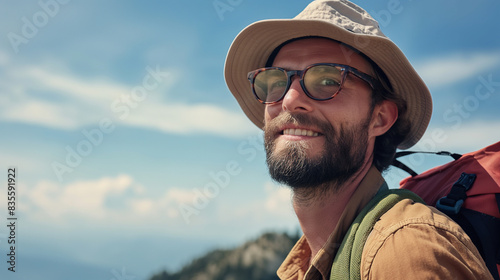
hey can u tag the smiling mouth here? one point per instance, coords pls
(299, 132)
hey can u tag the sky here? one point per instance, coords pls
(130, 154)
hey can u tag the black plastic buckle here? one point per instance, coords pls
(451, 204)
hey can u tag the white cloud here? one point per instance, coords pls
(117, 203)
(45, 113)
(179, 196)
(278, 199)
(272, 209)
(468, 137)
(456, 67)
(85, 199)
(53, 98)
(184, 119)
(92, 91)
(89, 201)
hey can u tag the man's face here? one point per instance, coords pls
(309, 143)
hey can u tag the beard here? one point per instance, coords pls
(342, 156)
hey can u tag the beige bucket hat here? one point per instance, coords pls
(342, 21)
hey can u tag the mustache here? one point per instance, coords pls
(274, 126)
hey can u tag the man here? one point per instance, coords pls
(335, 98)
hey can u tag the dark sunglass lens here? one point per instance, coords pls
(323, 81)
(270, 85)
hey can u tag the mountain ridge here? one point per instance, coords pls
(255, 259)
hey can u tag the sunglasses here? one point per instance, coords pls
(320, 81)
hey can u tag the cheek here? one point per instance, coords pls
(352, 102)
(271, 111)
(346, 112)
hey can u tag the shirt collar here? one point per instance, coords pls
(296, 263)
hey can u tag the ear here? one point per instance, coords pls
(384, 116)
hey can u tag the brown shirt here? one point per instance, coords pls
(410, 241)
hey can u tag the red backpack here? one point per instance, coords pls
(468, 191)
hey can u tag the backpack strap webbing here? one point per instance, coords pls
(483, 229)
(347, 262)
(397, 163)
(403, 167)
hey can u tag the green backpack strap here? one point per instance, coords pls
(347, 262)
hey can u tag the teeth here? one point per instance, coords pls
(299, 132)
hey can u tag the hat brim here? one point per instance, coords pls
(254, 44)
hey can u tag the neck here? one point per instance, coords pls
(319, 210)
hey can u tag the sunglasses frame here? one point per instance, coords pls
(345, 69)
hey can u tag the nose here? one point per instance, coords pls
(295, 99)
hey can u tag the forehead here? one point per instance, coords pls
(303, 52)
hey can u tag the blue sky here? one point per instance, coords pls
(131, 154)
